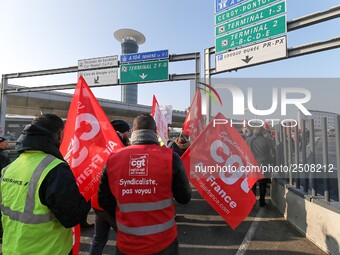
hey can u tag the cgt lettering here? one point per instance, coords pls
(138, 163)
(232, 160)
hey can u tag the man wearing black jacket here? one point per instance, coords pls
(40, 198)
(264, 153)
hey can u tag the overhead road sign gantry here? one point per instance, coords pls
(255, 17)
(144, 72)
(144, 56)
(252, 34)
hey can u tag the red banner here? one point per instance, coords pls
(89, 139)
(161, 123)
(76, 240)
(193, 123)
(223, 170)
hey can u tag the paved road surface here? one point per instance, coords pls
(203, 232)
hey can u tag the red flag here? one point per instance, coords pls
(193, 123)
(223, 170)
(89, 139)
(266, 126)
(161, 123)
(76, 240)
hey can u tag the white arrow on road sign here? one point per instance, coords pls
(143, 76)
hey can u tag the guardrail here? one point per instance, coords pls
(310, 160)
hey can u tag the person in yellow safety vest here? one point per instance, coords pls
(40, 200)
(138, 188)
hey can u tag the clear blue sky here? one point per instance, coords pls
(39, 34)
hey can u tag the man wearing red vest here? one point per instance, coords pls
(138, 190)
(102, 219)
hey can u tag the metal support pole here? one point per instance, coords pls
(285, 149)
(197, 68)
(312, 156)
(3, 103)
(290, 154)
(207, 80)
(296, 155)
(304, 155)
(337, 145)
(325, 159)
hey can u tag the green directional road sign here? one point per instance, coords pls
(252, 34)
(242, 9)
(252, 18)
(149, 71)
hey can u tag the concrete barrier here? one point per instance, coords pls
(319, 223)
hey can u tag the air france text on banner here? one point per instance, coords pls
(229, 193)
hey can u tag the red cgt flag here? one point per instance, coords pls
(89, 139)
(223, 170)
(193, 123)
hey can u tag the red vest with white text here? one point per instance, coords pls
(140, 178)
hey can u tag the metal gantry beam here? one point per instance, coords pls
(172, 77)
(313, 19)
(64, 70)
(314, 47)
(5, 90)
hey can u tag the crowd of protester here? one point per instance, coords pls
(40, 200)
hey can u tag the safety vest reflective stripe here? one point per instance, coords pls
(27, 216)
(143, 207)
(146, 230)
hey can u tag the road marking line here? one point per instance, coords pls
(198, 199)
(201, 217)
(217, 247)
(200, 224)
(250, 234)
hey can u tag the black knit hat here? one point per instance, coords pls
(120, 125)
(2, 139)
